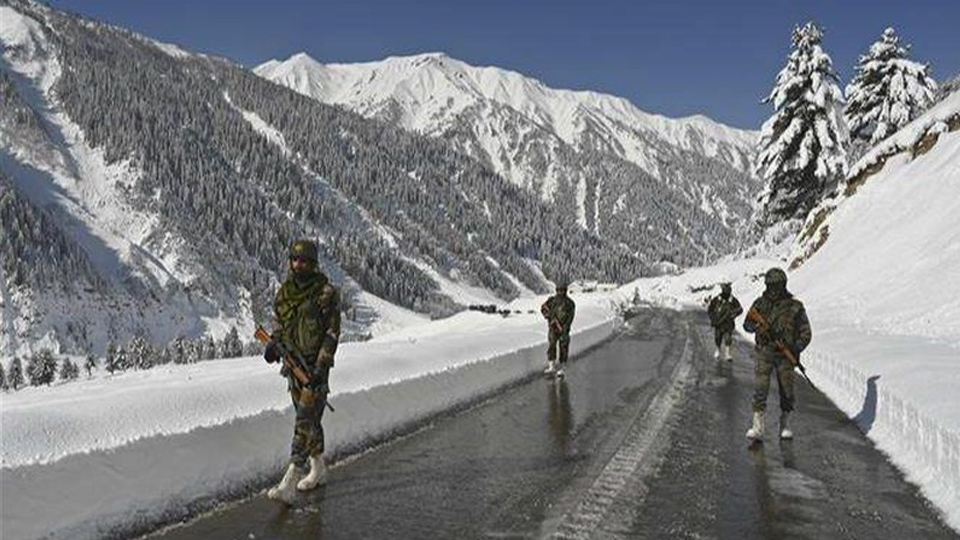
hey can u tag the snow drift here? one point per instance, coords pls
(116, 455)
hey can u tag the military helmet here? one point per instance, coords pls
(562, 285)
(725, 288)
(774, 276)
(305, 249)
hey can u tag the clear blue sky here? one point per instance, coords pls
(677, 58)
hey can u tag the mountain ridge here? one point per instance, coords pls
(579, 150)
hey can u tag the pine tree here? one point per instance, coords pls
(231, 347)
(41, 367)
(89, 365)
(803, 145)
(888, 90)
(16, 374)
(110, 361)
(141, 355)
(208, 348)
(178, 350)
(68, 370)
(122, 361)
(3, 378)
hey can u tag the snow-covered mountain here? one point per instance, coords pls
(148, 191)
(616, 168)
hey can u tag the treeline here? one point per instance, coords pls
(34, 251)
(44, 367)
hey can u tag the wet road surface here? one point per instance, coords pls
(643, 439)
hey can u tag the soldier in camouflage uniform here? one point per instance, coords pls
(723, 311)
(558, 310)
(307, 311)
(789, 325)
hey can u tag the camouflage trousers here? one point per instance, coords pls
(307, 430)
(557, 340)
(723, 335)
(769, 362)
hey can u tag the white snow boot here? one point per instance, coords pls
(785, 431)
(559, 374)
(317, 475)
(756, 430)
(284, 491)
(726, 353)
(716, 354)
(551, 368)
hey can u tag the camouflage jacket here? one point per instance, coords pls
(787, 319)
(308, 318)
(723, 311)
(559, 311)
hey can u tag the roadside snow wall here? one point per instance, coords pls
(877, 381)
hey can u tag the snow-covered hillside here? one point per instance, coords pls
(169, 185)
(884, 290)
(547, 140)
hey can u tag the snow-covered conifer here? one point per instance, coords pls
(231, 347)
(122, 361)
(15, 377)
(207, 348)
(110, 361)
(3, 378)
(178, 350)
(68, 370)
(90, 365)
(141, 355)
(887, 91)
(803, 145)
(41, 367)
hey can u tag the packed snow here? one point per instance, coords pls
(92, 453)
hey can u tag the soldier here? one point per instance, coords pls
(786, 324)
(307, 311)
(723, 311)
(558, 310)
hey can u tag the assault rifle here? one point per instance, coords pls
(292, 361)
(764, 326)
(554, 322)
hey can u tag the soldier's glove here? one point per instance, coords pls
(272, 353)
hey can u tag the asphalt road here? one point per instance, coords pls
(643, 439)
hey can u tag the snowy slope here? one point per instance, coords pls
(884, 287)
(535, 136)
(56, 169)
